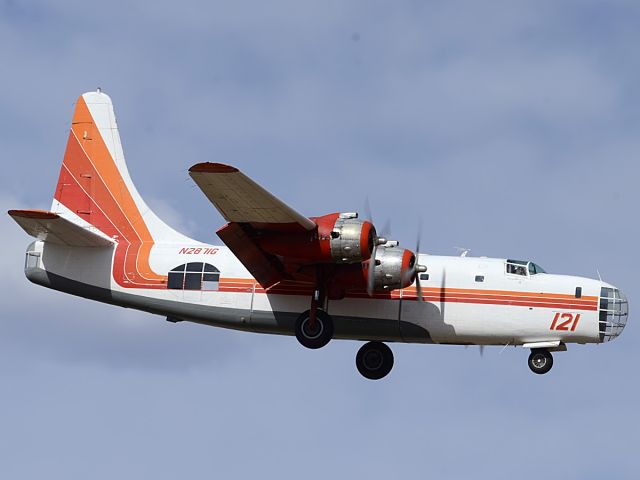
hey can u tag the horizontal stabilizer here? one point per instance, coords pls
(51, 227)
(241, 200)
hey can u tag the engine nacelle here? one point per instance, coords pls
(340, 238)
(395, 268)
(351, 240)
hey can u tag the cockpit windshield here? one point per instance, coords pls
(523, 268)
(534, 269)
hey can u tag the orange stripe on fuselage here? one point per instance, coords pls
(513, 293)
(434, 295)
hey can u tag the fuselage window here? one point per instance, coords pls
(424, 276)
(194, 276)
(193, 280)
(176, 278)
(479, 278)
(578, 292)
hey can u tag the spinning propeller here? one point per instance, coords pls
(415, 268)
(371, 276)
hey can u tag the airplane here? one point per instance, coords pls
(280, 272)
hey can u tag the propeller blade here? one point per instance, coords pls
(367, 210)
(419, 268)
(481, 347)
(385, 231)
(419, 288)
(380, 237)
(371, 276)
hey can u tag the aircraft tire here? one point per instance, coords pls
(320, 335)
(374, 360)
(540, 361)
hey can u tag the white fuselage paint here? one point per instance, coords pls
(501, 309)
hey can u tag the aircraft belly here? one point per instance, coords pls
(364, 318)
(357, 319)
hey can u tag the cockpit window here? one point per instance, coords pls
(517, 267)
(523, 267)
(518, 262)
(539, 269)
(535, 268)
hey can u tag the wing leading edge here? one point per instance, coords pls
(241, 200)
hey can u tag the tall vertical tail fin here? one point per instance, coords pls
(94, 187)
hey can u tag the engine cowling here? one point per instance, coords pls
(351, 240)
(395, 268)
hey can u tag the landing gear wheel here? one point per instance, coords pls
(317, 334)
(374, 360)
(540, 361)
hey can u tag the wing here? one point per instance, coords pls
(51, 227)
(241, 200)
(252, 212)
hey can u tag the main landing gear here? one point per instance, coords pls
(314, 328)
(540, 361)
(374, 360)
(314, 332)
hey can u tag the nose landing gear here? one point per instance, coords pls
(540, 361)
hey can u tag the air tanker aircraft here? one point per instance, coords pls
(280, 272)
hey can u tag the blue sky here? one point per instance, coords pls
(511, 128)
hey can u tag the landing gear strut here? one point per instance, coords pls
(540, 361)
(314, 328)
(374, 360)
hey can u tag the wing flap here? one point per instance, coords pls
(265, 268)
(51, 227)
(239, 199)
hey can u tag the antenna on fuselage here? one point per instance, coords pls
(463, 251)
(599, 277)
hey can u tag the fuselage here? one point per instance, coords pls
(466, 300)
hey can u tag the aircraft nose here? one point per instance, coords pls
(613, 313)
